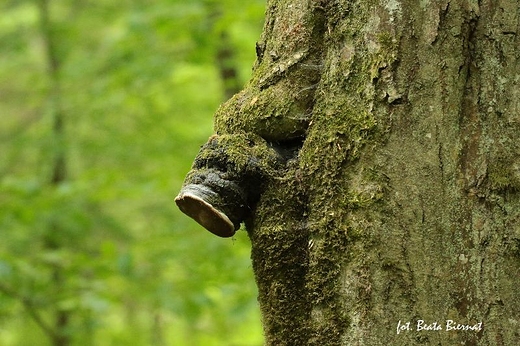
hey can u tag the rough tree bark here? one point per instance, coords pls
(396, 195)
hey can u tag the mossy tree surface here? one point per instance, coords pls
(403, 202)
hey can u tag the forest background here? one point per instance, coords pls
(100, 255)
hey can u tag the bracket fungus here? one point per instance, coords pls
(226, 180)
(209, 209)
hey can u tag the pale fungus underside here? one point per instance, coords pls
(193, 201)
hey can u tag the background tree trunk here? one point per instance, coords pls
(403, 202)
(60, 335)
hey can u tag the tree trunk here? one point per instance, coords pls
(60, 335)
(395, 217)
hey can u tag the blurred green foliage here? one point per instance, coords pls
(137, 84)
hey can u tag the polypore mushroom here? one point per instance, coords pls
(226, 180)
(193, 200)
